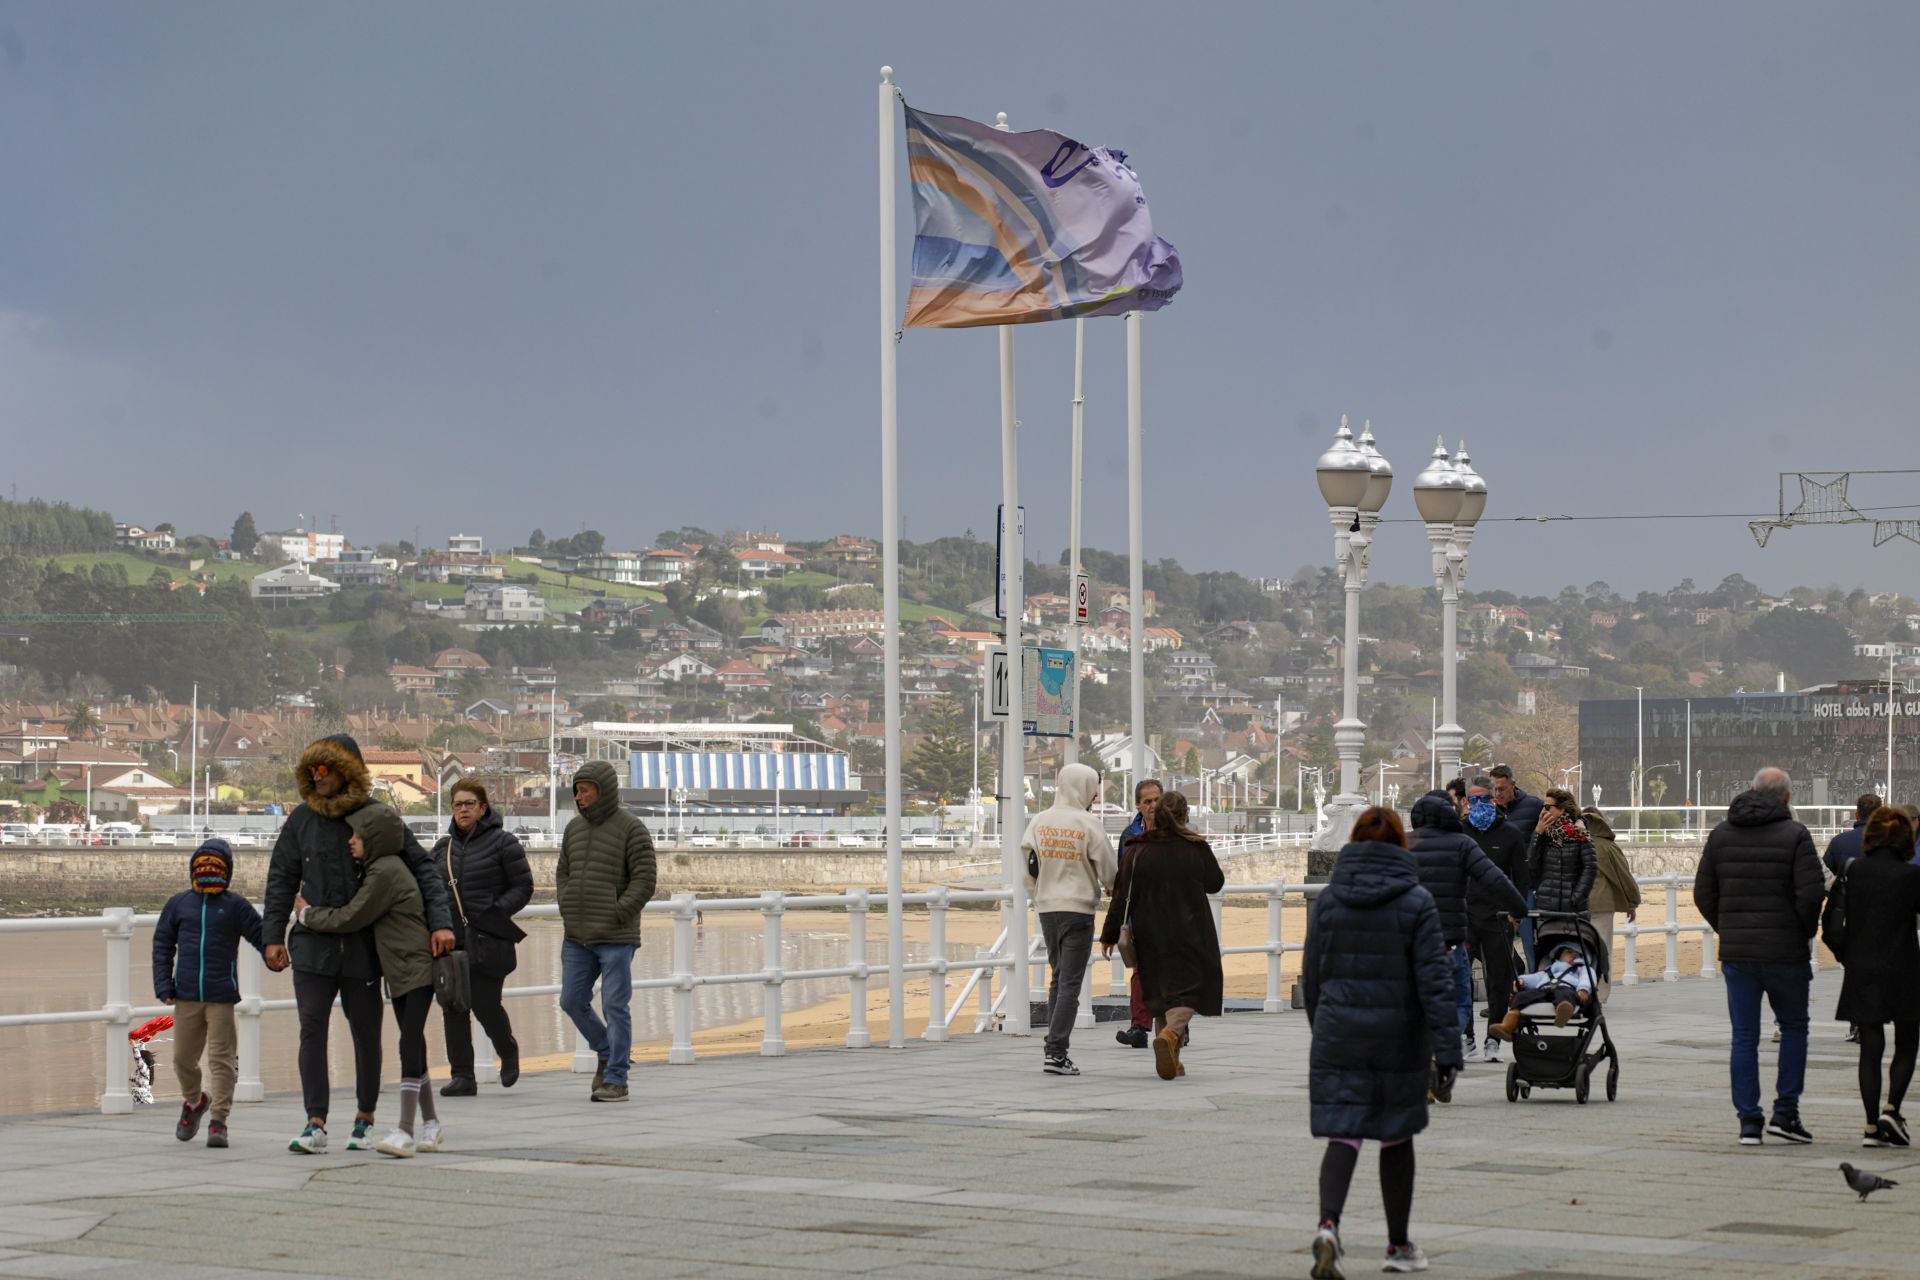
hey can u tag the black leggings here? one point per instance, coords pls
(410, 1010)
(491, 1013)
(1396, 1184)
(314, 994)
(1873, 1047)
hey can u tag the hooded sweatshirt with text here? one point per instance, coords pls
(1071, 845)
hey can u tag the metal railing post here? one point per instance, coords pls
(585, 1060)
(1275, 897)
(984, 989)
(117, 1098)
(1117, 975)
(485, 1069)
(1707, 941)
(1630, 961)
(680, 1053)
(773, 1043)
(246, 1023)
(857, 1037)
(1672, 973)
(937, 954)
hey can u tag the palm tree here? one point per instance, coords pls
(81, 722)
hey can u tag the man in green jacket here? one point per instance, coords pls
(605, 877)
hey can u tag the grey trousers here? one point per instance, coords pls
(1069, 936)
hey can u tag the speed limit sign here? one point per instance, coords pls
(1082, 594)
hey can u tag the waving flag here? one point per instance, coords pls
(1013, 228)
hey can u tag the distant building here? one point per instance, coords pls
(132, 537)
(809, 628)
(457, 662)
(302, 546)
(659, 567)
(766, 564)
(504, 603)
(360, 568)
(847, 549)
(464, 566)
(411, 679)
(627, 568)
(465, 544)
(290, 584)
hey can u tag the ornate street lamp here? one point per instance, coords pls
(1355, 480)
(1440, 493)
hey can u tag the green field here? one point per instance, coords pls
(910, 612)
(140, 568)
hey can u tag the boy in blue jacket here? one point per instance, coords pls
(196, 951)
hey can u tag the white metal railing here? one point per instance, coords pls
(119, 1012)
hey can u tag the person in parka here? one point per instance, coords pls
(1380, 1001)
(1069, 862)
(1562, 864)
(605, 877)
(488, 876)
(389, 905)
(1451, 862)
(1614, 888)
(310, 860)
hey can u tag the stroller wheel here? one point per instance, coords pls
(1582, 1077)
(1513, 1082)
(1613, 1081)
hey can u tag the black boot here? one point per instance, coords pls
(459, 1087)
(509, 1066)
(1132, 1037)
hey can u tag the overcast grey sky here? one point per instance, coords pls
(486, 267)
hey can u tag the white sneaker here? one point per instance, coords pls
(429, 1139)
(1408, 1257)
(1492, 1053)
(1470, 1049)
(398, 1143)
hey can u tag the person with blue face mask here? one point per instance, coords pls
(1489, 926)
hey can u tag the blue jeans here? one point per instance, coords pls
(1462, 960)
(612, 963)
(1786, 984)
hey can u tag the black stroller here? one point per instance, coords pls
(1549, 1057)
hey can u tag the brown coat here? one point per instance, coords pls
(1165, 881)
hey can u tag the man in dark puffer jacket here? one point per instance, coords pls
(1759, 887)
(1449, 859)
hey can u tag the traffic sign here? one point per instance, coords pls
(999, 686)
(1082, 596)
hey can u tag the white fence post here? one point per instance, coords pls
(117, 1098)
(937, 953)
(772, 1043)
(1672, 973)
(857, 1037)
(1630, 961)
(246, 1022)
(1275, 897)
(1707, 941)
(680, 1053)
(485, 1069)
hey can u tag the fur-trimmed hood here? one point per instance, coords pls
(342, 755)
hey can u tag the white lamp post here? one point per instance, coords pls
(1354, 482)
(1440, 493)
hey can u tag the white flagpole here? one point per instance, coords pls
(890, 569)
(1013, 770)
(1073, 575)
(1136, 550)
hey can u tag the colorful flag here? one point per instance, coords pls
(1013, 228)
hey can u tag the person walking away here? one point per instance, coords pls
(1450, 862)
(1614, 888)
(1489, 925)
(196, 951)
(1847, 845)
(1758, 886)
(310, 860)
(1069, 861)
(1162, 891)
(1380, 1002)
(1562, 865)
(390, 905)
(605, 877)
(489, 881)
(1869, 925)
(1146, 794)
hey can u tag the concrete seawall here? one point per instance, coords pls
(45, 877)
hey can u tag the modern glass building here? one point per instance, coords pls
(1833, 740)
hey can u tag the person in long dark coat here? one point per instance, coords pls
(1380, 999)
(1879, 895)
(1163, 888)
(489, 880)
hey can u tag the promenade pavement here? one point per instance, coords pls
(964, 1160)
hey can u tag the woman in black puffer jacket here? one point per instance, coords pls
(1874, 902)
(1562, 865)
(488, 880)
(1379, 997)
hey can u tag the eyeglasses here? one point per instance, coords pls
(466, 804)
(319, 771)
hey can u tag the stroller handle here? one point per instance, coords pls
(1557, 915)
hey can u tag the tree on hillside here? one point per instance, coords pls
(81, 722)
(942, 765)
(244, 534)
(537, 540)
(1809, 646)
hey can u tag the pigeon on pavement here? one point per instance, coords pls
(1865, 1183)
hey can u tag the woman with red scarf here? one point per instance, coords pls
(1562, 865)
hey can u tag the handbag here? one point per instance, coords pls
(1125, 945)
(452, 982)
(1833, 921)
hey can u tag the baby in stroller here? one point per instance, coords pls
(1566, 983)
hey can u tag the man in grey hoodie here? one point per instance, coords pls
(1070, 862)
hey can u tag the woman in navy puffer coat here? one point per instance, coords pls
(1379, 996)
